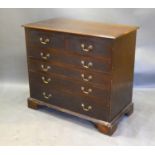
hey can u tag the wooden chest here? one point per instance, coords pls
(82, 68)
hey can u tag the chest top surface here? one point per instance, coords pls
(89, 28)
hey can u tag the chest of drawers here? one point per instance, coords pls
(82, 68)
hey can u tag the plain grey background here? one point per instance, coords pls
(13, 67)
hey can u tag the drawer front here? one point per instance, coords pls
(45, 38)
(80, 75)
(49, 54)
(89, 46)
(68, 101)
(79, 88)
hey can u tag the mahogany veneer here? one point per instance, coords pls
(82, 68)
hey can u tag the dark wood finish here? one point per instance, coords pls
(33, 105)
(123, 69)
(56, 40)
(105, 129)
(110, 129)
(54, 55)
(129, 111)
(55, 49)
(100, 46)
(70, 72)
(103, 126)
(60, 83)
(69, 101)
(85, 28)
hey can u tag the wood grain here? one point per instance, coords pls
(123, 70)
(111, 50)
(86, 28)
(64, 84)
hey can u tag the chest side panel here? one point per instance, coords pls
(122, 73)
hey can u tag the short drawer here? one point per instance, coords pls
(100, 80)
(79, 88)
(68, 101)
(60, 56)
(89, 46)
(43, 38)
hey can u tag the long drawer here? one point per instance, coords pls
(83, 45)
(78, 88)
(85, 76)
(65, 57)
(68, 101)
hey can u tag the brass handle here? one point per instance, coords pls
(43, 56)
(86, 109)
(44, 41)
(47, 96)
(86, 79)
(46, 81)
(84, 91)
(90, 64)
(45, 69)
(88, 49)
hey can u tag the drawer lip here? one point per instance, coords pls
(106, 77)
(75, 66)
(66, 92)
(68, 101)
(101, 47)
(55, 107)
(72, 79)
(68, 66)
(67, 52)
(36, 77)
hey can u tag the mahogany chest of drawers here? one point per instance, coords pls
(82, 68)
